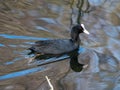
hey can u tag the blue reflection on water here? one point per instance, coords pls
(50, 60)
(48, 20)
(29, 43)
(41, 28)
(12, 45)
(29, 71)
(13, 61)
(21, 73)
(21, 37)
(81, 50)
(8, 63)
(2, 45)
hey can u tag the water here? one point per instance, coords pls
(26, 21)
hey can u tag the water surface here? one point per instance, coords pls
(26, 21)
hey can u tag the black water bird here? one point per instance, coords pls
(60, 46)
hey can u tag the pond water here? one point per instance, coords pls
(22, 22)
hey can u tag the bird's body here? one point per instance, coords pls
(59, 46)
(55, 46)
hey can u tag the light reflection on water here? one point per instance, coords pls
(13, 61)
(21, 73)
(21, 24)
(2, 45)
(39, 62)
(21, 37)
(41, 28)
(48, 20)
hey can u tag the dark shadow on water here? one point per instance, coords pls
(47, 59)
(74, 64)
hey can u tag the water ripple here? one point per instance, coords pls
(21, 73)
(49, 60)
(2, 45)
(21, 37)
(52, 59)
(41, 28)
(48, 20)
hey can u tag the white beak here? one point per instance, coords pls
(85, 31)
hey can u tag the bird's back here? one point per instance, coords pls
(57, 46)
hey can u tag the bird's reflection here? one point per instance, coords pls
(74, 64)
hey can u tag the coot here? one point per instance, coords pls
(60, 46)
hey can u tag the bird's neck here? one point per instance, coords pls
(76, 40)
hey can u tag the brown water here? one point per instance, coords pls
(22, 22)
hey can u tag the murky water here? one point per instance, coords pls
(22, 22)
